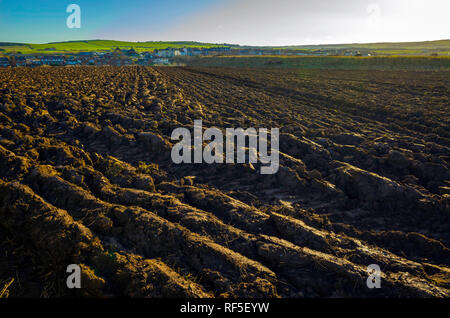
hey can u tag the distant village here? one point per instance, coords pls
(121, 57)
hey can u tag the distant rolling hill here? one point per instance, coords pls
(96, 45)
(441, 47)
(391, 48)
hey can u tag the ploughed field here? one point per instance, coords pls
(86, 178)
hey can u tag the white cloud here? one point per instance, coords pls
(286, 22)
(374, 14)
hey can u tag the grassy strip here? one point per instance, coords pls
(323, 62)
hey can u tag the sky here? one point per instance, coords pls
(245, 22)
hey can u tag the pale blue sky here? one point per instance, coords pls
(253, 22)
(45, 20)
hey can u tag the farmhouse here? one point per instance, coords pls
(34, 62)
(131, 52)
(20, 61)
(73, 61)
(87, 57)
(183, 52)
(215, 50)
(161, 61)
(164, 53)
(4, 62)
(194, 51)
(53, 60)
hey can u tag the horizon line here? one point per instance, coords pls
(233, 44)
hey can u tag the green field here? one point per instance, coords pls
(95, 45)
(322, 62)
(441, 47)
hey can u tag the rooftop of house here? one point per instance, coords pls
(52, 57)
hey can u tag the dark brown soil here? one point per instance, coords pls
(86, 178)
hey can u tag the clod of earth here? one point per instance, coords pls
(86, 178)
